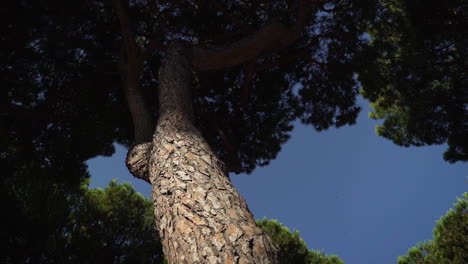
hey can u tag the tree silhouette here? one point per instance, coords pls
(291, 247)
(449, 244)
(63, 64)
(220, 82)
(114, 225)
(417, 77)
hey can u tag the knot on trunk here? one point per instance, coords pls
(137, 160)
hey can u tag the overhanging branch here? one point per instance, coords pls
(130, 66)
(121, 7)
(272, 37)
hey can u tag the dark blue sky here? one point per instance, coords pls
(347, 191)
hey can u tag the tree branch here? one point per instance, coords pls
(223, 37)
(121, 7)
(272, 37)
(250, 69)
(303, 53)
(131, 66)
(267, 39)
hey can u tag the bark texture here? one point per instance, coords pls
(200, 216)
(137, 160)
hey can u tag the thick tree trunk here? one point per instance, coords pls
(200, 216)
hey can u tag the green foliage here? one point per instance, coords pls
(54, 115)
(450, 242)
(60, 74)
(416, 75)
(114, 225)
(292, 248)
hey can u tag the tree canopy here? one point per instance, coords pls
(417, 79)
(60, 66)
(114, 225)
(63, 102)
(61, 74)
(292, 248)
(449, 244)
(44, 141)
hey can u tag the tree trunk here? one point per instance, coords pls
(200, 216)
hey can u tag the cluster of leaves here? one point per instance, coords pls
(256, 127)
(416, 78)
(57, 92)
(317, 87)
(450, 242)
(292, 248)
(114, 225)
(62, 84)
(55, 111)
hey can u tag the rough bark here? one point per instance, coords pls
(137, 160)
(200, 216)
